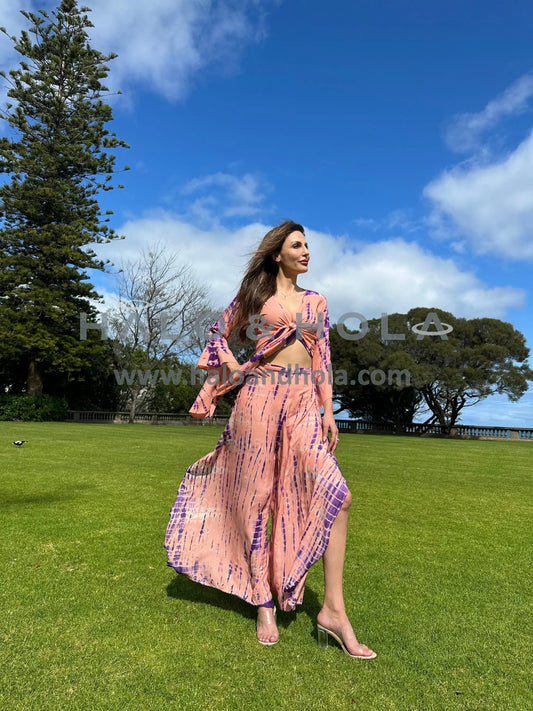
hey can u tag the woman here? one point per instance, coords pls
(275, 456)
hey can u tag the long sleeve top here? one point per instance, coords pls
(271, 330)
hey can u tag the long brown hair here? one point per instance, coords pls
(259, 282)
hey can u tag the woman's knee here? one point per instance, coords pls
(347, 501)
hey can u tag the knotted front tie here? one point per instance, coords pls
(212, 389)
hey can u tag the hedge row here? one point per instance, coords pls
(33, 408)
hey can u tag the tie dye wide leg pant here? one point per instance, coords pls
(269, 461)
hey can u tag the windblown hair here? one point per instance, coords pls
(259, 282)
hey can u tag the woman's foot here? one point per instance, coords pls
(338, 623)
(267, 630)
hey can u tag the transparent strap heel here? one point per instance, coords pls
(323, 634)
(322, 637)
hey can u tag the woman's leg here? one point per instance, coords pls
(333, 613)
(267, 630)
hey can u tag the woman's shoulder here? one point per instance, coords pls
(315, 295)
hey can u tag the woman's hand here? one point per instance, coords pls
(233, 372)
(329, 426)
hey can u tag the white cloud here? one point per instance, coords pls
(464, 133)
(395, 275)
(489, 205)
(12, 20)
(218, 255)
(228, 196)
(163, 44)
(388, 276)
(397, 220)
(110, 301)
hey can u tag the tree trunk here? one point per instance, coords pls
(35, 381)
(133, 405)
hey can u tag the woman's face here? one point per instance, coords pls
(294, 255)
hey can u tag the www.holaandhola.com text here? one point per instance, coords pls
(195, 376)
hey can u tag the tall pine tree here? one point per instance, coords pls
(57, 155)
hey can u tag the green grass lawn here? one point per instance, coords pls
(437, 580)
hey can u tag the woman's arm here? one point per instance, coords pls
(323, 373)
(217, 351)
(217, 357)
(329, 426)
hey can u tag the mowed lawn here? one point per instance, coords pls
(437, 580)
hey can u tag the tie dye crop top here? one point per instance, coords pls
(272, 329)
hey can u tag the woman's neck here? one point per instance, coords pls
(286, 285)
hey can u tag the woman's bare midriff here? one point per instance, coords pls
(293, 355)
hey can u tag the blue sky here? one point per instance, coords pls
(398, 133)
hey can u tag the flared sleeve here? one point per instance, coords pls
(213, 357)
(321, 360)
(217, 352)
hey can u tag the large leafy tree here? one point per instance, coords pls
(357, 363)
(480, 357)
(58, 160)
(477, 358)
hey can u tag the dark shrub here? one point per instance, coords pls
(33, 408)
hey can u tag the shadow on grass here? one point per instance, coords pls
(182, 588)
(13, 500)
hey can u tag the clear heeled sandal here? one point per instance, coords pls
(323, 634)
(268, 644)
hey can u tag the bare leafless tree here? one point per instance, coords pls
(160, 315)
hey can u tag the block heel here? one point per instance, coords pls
(322, 637)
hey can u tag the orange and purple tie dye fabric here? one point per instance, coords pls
(281, 329)
(269, 461)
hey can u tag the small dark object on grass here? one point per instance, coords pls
(20, 442)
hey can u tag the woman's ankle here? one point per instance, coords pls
(334, 607)
(270, 604)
